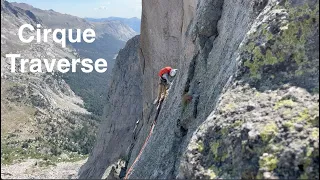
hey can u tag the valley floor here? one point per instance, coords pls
(29, 170)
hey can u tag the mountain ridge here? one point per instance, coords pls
(133, 22)
(111, 36)
(55, 20)
(41, 117)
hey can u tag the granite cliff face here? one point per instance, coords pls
(121, 115)
(244, 103)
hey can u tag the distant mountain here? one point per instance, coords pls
(134, 22)
(111, 36)
(117, 28)
(41, 117)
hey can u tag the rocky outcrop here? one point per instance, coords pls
(244, 100)
(266, 124)
(122, 113)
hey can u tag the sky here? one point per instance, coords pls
(90, 8)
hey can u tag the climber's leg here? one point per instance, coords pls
(162, 87)
(165, 88)
(159, 93)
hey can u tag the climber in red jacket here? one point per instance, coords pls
(164, 81)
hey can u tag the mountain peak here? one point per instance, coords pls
(22, 5)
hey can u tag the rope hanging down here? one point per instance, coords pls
(140, 153)
(145, 142)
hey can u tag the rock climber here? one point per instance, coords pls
(164, 81)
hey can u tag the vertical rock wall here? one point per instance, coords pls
(123, 110)
(208, 60)
(221, 50)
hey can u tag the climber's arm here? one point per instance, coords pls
(166, 77)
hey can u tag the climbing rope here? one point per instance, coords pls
(145, 142)
(140, 153)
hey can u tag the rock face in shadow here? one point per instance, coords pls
(240, 104)
(123, 111)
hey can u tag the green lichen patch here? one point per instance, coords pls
(224, 131)
(211, 174)
(289, 125)
(269, 131)
(200, 146)
(237, 123)
(280, 48)
(309, 151)
(309, 116)
(304, 176)
(229, 107)
(268, 162)
(224, 156)
(214, 148)
(303, 116)
(285, 103)
(315, 133)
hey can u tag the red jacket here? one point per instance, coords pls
(165, 70)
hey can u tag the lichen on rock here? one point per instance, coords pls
(279, 49)
(243, 106)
